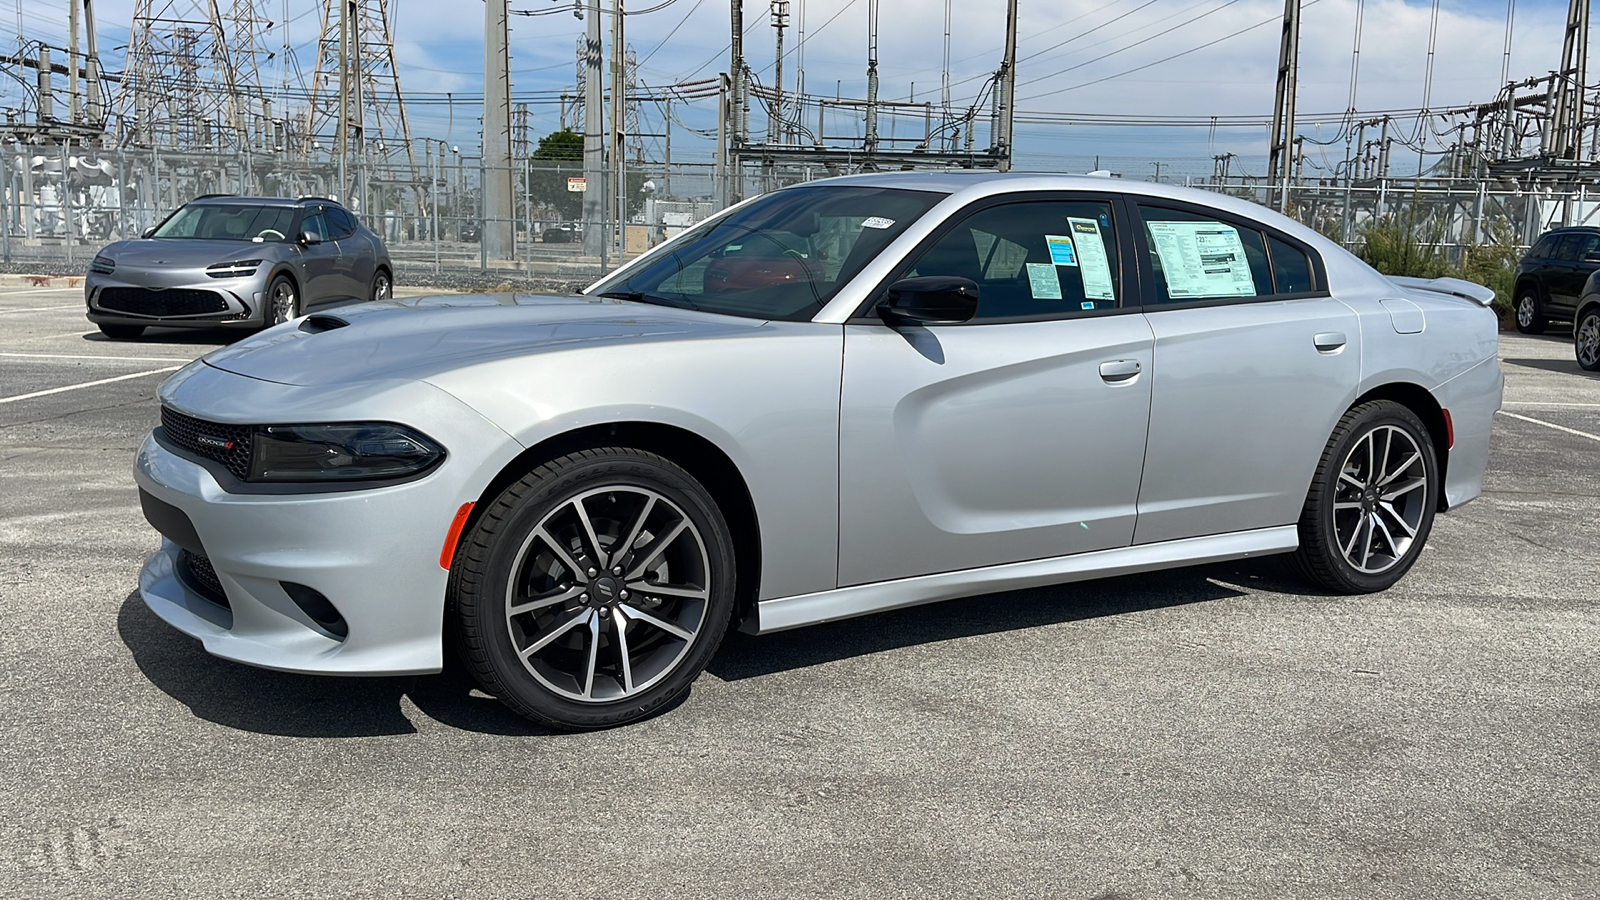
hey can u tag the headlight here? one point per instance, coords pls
(103, 265)
(352, 451)
(239, 268)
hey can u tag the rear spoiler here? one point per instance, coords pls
(1454, 287)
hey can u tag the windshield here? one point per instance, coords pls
(783, 256)
(229, 222)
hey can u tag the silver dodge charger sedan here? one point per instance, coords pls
(838, 398)
(244, 262)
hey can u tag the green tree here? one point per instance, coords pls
(558, 157)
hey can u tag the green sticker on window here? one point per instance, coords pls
(1042, 281)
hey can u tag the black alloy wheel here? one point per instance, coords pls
(283, 303)
(382, 287)
(1586, 340)
(1372, 500)
(592, 592)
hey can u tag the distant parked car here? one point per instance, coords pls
(558, 234)
(471, 232)
(236, 262)
(1551, 278)
(1586, 328)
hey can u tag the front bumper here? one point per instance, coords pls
(372, 554)
(175, 298)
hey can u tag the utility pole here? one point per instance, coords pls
(872, 76)
(341, 139)
(1278, 164)
(619, 151)
(1566, 123)
(1005, 92)
(594, 147)
(498, 201)
(780, 21)
(738, 108)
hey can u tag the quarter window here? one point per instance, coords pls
(1032, 260)
(1567, 250)
(1291, 268)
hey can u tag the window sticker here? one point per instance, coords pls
(877, 222)
(1202, 259)
(1087, 304)
(1061, 252)
(1042, 281)
(1095, 264)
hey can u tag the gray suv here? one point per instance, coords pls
(242, 262)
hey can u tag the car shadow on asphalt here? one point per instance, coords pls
(750, 656)
(183, 336)
(290, 705)
(1568, 366)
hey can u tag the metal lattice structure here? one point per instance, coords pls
(181, 86)
(356, 80)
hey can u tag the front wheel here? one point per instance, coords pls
(1530, 313)
(1586, 340)
(283, 303)
(592, 592)
(1371, 502)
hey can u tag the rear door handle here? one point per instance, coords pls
(1119, 369)
(1329, 341)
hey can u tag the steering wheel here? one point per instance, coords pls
(275, 233)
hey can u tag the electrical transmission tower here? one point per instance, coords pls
(356, 103)
(182, 85)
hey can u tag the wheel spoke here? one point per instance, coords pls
(1353, 481)
(588, 532)
(1388, 536)
(1403, 487)
(1355, 537)
(622, 653)
(637, 614)
(582, 617)
(635, 528)
(578, 574)
(655, 548)
(529, 604)
(1347, 504)
(1399, 520)
(1372, 455)
(1400, 469)
(668, 590)
(1366, 545)
(594, 651)
(1380, 475)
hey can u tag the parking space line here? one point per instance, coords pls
(89, 384)
(1582, 434)
(6, 293)
(92, 356)
(42, 308)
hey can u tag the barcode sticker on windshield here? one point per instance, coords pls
(877, 222)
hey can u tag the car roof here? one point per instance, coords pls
(264, 201)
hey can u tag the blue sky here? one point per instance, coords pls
(439, 48)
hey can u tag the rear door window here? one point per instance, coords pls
(340, 223)
(1198, 257)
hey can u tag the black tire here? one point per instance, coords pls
(1348, 510)
(121, 332)
(1586, 340)
(283, 301)
(382, 286)
(558, 662)
(1530, 312)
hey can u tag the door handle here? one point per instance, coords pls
(1119, 369)
(1328, 341)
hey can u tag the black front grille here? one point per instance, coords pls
(198, 573)
(173, 302)
(227, 444)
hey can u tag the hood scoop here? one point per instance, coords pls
(321, 322)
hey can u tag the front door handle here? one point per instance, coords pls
(1119, 369)
(1328, 341)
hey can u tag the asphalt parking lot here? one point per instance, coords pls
(1217, 732)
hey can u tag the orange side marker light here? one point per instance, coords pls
(456, 526)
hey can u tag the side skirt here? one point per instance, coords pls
(859, 600)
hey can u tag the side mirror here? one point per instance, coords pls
(147, 232)
(931, 300)
(309, 238)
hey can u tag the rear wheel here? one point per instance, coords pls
(382, 287)
(1530, 312)
(592, 592)
(1586, 340)
(283, 302)
(1372, 501)
(121, 332)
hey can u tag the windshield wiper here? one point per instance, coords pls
(652, 299)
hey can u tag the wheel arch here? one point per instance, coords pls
(287, 271)
(1421, 401)
(701, 458)
(1528, 281)
(1589, 302)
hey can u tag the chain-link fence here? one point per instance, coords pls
(559, 229)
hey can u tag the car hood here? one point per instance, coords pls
(415, 337)
(179, 252)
